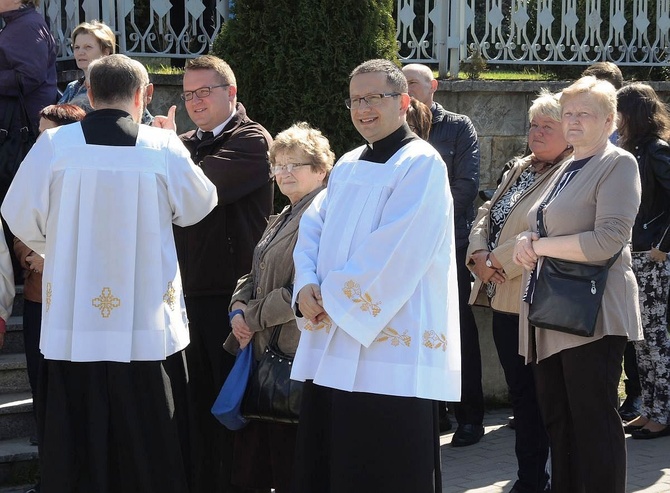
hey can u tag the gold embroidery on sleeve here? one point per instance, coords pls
(170, 296)
(352, 290)
(106, 302)
(326, 323)
(433, 340)
(394, 336)
(48, 296)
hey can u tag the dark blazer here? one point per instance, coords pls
(214, 253)
(28, 48)
(455, 138)
(653, 219)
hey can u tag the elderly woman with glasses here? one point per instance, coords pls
(301, 160)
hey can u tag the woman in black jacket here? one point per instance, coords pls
(644, 129)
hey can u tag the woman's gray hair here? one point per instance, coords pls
(602, 92)
(547, 104)
(303, 137)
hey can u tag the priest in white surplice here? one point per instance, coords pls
(99, 198)
(377, 303)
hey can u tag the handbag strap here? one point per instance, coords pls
(273, 343)
(543, 233)
(26, 126)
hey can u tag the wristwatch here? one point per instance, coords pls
(489, 264)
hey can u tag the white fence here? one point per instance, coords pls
(443, 32)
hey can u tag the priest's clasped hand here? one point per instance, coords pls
(311, 303)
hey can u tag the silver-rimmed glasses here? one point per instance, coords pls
(288, 167)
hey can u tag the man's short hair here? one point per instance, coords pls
(394, 75)
(211, 62)
(116, 78)
(605, 71)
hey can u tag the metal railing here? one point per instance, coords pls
(441, 32)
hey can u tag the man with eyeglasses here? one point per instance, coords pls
(377, 305)
(455, 138)
(231, 149)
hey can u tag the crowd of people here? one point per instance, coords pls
(151, 259)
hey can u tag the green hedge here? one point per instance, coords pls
(292, 59)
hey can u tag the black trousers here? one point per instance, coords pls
(577, 393)
(32, 324)
(630, 368)
(532, 443)
(109, 427)
(355, 442)
(208, 366)
(470, 410)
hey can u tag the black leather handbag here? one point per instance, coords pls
(271, 395)
(568, 295)
(15, 143)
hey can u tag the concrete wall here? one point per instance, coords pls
(499, 113)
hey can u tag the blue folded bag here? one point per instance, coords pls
(226, 408)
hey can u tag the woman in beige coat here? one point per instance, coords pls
(498, 278)
(301, 160)
(588, 212)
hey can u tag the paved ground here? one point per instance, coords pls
(490, 465)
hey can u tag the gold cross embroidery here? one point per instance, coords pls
(106, 302)
(169, 296)
(396, 338)
(326, 323)
(352, 290)
(433, 340)
(48, 296)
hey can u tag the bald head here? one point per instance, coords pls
(422, 84)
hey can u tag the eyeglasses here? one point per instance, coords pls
(370, 100)
(286, 167)
(201, 92)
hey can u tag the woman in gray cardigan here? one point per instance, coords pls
(300, 159)
(588, 212)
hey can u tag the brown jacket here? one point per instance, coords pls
(273, 272)
(32, 281)
(214, 253)
(506, 297)
(600, 205)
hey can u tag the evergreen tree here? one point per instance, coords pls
(292, 59)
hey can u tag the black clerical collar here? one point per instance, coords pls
(382, 150)
(110, 127)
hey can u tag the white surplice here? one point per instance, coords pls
(380, 243)
(103, 216)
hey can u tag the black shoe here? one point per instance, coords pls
(445, 424)
(644, 434)
(34, 489)
(467, 435)
(33, 440)
(631, 428)
(512, 424)
(630, 409)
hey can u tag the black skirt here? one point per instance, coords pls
(110, 427)
(353, 442)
